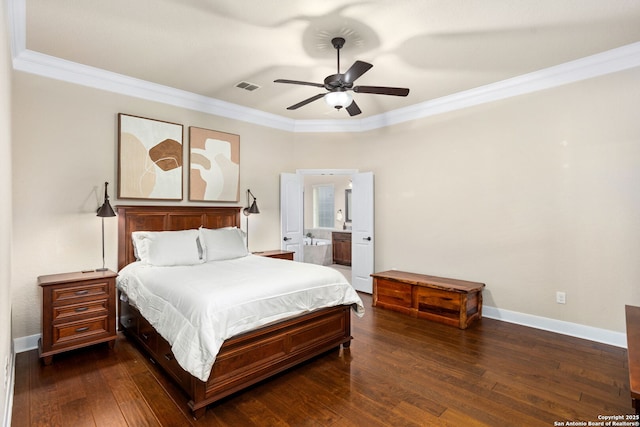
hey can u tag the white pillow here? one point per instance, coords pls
(168, 248)
(243, 234)
(222, 243)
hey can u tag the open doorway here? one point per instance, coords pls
(327, 221)
(326, 231)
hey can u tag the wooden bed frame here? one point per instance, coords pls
(245, 359)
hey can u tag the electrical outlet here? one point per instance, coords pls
(561, 297)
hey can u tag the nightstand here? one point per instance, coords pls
(78, 309)
(277, 254)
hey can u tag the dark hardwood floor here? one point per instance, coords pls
(399, 371)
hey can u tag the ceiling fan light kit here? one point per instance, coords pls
(339, 84)
(338, 100)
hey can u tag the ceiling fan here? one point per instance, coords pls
(339, 84)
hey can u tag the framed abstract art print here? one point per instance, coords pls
(149, 159)
(214, 174)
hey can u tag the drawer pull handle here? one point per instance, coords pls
(169, 357)
(83, 292)
(83, 329)
(145, 337)
(81, 309)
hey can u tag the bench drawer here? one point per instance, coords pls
(394, 293)
(437, 301)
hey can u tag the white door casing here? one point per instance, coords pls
(291, 214)
(362, 242)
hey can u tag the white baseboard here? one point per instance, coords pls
(8, 404)
(23, 344)
(604, 336)
(20, 345)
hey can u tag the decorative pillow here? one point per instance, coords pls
(168, 248)
(223, 243)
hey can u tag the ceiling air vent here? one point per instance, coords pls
(248, 86)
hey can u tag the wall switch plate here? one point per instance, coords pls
(561, 297)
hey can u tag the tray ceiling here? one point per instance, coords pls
(434, 47)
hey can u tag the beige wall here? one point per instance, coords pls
(530, 195)
(65, 148)
(5, 214)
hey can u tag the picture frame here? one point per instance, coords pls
(214, 166)
(150, 158)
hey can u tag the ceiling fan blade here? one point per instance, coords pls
(382, 90)
(353, 109)
(305, 102)
(357, 69)
(297, 82)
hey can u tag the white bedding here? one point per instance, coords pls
(197, 307)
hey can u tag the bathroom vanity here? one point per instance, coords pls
(341, 242)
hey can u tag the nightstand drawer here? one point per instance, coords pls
(65, 333)
(71, 311)
(86, 290)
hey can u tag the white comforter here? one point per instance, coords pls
(196, 308)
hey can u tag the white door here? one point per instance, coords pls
(291, 214)
(362, 242)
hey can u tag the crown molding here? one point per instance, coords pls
(60, 69)
(600, 64)
(17, 18)
(28, 61)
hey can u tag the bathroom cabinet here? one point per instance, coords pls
(341, 242)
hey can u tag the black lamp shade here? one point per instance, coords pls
(253, 209)
(106, 210)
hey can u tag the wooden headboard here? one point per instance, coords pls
(168, 218)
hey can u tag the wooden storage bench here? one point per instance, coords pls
(633, 353)
(449, 301)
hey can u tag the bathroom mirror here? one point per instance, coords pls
(347, 205)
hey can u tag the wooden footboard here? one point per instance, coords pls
(248, 358)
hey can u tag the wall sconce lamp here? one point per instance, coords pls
(253, 208)
(339, 216)
(104, 211)
(250, 209)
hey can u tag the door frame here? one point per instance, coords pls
(304, 172)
